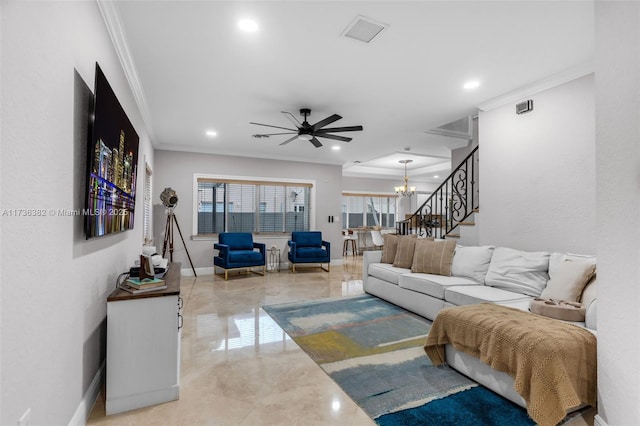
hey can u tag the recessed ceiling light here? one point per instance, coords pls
(335, 148)
(211, 133)
(471, 84)
(436, 176)
(248, 25)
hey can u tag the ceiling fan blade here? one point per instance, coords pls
(336, 137)
(277, 127)
(315, 142)
(326, 121)
(289, 140)
(292, 118)
(340, 129)
(276, 134)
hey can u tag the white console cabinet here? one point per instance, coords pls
(143, 346)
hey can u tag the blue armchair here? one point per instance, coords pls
(236, 250)
(308, 247)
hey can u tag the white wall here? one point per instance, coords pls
(459, 154)
(537, 172)
(176, 170)
(54, 282)
(617, 26)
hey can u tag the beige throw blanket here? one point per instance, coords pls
(553, 363)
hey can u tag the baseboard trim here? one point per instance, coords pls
(188, 272)
(140, 400)
(89, 399)
(599, 421)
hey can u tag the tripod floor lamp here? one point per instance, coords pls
(169, 199)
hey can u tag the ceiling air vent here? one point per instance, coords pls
(363, 29)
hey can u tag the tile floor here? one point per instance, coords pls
(239, 368)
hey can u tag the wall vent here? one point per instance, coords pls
(363, 29)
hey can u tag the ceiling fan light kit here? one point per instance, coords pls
(310, 132)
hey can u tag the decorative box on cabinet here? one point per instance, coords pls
(143, 346)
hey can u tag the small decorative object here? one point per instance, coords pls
(558, 309)
(273, 261)
(146, 268)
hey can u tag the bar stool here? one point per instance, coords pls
(350, 240)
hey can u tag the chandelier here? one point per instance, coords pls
(405, 190)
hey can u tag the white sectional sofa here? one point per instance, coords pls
(490, 274)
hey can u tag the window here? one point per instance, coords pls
(147, 206)
(368, 210)
(256, 206)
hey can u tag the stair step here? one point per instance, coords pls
(476, 210)
(452, 236)
(467, 223)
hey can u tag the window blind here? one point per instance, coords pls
(230, 205)
(368, 210)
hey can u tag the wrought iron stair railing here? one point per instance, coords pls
(449, 205)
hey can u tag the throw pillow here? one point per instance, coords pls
(568, 281)
(519, 271)
(472, 262)
(390, 247)
(433, 257)
(557, 259)
(404, 254)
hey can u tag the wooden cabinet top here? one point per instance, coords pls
(171, 279)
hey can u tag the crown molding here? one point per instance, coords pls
(119, 40)
(538, 86)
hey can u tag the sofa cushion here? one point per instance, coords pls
(386, 272)
(310, 252)
(472, 262)
(404, 254)
(433, 257)
(390, 246)
(568, 281)
(520, 271)
(468, 295)
(431, 284)
(244, 256)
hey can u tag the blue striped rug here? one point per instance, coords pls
(373, 351)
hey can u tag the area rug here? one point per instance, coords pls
(373, 351)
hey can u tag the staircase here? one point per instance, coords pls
(451, 211)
